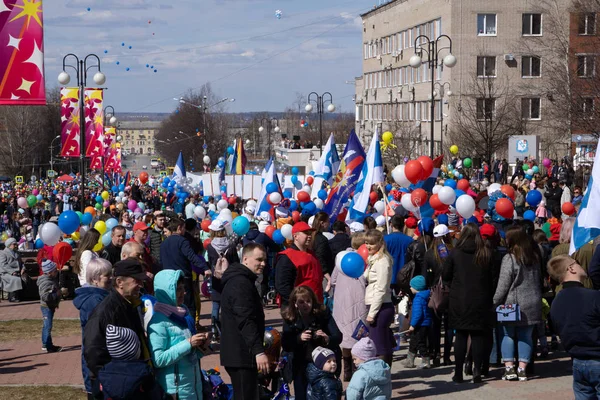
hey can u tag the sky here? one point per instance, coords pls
(238, 46)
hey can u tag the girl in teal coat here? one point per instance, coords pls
(174, 344)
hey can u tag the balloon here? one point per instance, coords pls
(132, 205)
(105, 204)
(86, 218)
(100, 226)
(99, 199)
(293, 205)
(31, 200)
(278, 237)
(435, 203)
(454, 149)
(275, 198)
(436, 189)
(322, 194)
(568, 208)
(310, 179)
(310, 208)
(271, 187)
(230, 150)
(22, 202)
(373, 197)
(98, 246)
(38, 243)
(105, 195)
(414, 171)
(205, 224)
(106, 239)
(68, 222)
(35, 192)
(533, 198)
(467, 163)
(535, 169)
(505, 208)
(465, 206)
(286, 231)
(427, 165)
(199, 212)
(494, 187)
(98, 206)
(269, 231)
(450, 183)
(419, 197)
(447, 195)
(525, 167)
(407, 203)
(50, 234)
(287, 194)
(303, 196)
(295, 171)
(456, 173)
(353, 265)
(529, 215)
(61, 254)
(295, 216)
(240, 225)
(143, 177)
(547, 162)
(222, 204)
(363, 252)
(319, 204)
(387, 137)
(39, 197)
(463, 185)
(399, 176)
(111, 223)
(206, 243)
(508, 191)
(294, 180)
(379, 206)
(232, 200)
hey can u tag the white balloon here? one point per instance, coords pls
(380, 220)
(225, 211)
(338, 258)
(121, 194)
(275, 198)
(199, 212)
(222, 204)
(436, 189)
(465, 205)
(380, 206)
(400, 177)
(252, 203)
(226, 216)
(51, 234)
(118, 199)
(447, 195)
(494, 187)
(211, 207)
(286, 231)
(319, 203)
(407, 202)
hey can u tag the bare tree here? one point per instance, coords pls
(407, 141)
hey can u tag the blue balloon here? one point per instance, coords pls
(271, 187)
(106, 239)
(167, 180)
(55, 191)
(240, 225)
(230, 150)
(221, 164)
(450, 167)
(39, 244)
(278, 237)
(68, 221)
(388, 187)
(39, 197)
(181, 200)
(295, 170)
(528, 177)
(172, 183)
(224, 189)
(459, 192)
(121, 187)
(529, 215)
(205, 199)
(353, 265)
(460, 176)
(287, 194)
(218, 197)
(165, 185)
(535, 169)
(533, 198)
(322, 194)
(310, 207)
(312, 173)
(451, 183)
(171, 189)
(86, 218)
(114, 189)
(293, 205)
(112, 222)
(99, 199)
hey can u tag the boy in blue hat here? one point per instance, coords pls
(419, 324)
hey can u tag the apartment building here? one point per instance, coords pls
(138, 136)
(499, 43)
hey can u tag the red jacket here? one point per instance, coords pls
(295, 268)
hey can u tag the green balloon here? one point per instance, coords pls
(525, 167)
(546, 229)
(467, 162)
(31, 200)
(98, 206)
(79, 214)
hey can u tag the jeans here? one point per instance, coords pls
(216, 308)
(87, 381)
(586, 379)
(48, 316)
(524, 345)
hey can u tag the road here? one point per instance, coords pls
(135, 162)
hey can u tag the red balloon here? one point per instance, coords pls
(205, 224)
(269, 231)
(61, 254)
(568, 209)
(342, 215)
(508, 190)
(419, 197)
(373, 197)
(310, 180)
(143, 177)
(505, 208)
(463, 185)
(232, 200)
(435, 202)
(303, 196)
(427, 165)
(413, 171)
(296, 216)
(363, 252)
(206, 243)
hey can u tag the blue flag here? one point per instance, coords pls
(179, 170)
(580, 234)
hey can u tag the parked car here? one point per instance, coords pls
(144, 167)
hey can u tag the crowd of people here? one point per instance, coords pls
(494, 291)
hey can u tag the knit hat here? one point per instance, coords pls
(365, 349)
(320, 355)
(418, 283)
(9, 242)
(48, 266)
(122, 343)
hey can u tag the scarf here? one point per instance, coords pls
(220, 244)
(179, 315)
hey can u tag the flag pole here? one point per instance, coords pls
(385, 211)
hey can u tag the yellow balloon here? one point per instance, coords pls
(98, 246)
(100, 226)
(454, 149)
(75, 236)
(105, 195)
(387, 137)
(4, 236)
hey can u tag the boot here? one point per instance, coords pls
(348, 369)
(425, 363)
(410, 360)
(216, 332)
(389, 359)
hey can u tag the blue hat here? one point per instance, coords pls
(426, 226)
(418, 283)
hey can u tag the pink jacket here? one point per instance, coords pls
(541, 212)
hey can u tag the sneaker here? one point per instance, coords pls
(53, 349)
(44, 349)
(510, 374)
(522, 375)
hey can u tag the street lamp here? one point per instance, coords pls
(52, 152)
(433, 53)
(81, 69)
(443, 89)
(269, 123)
(320, 102)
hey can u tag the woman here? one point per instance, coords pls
(307, 325)
(220, 246)
(98, 278)
(175, 346)
(519, 283)
(583, 255)
(577, 196)
(321, 244)
(127, 223)
(85, 253)
(467, 269)
(378, 295)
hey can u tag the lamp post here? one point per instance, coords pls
(443, 89)
(204, 106)
(269, 123)
(112, 121)
(433, 51)
(81, 69)
(320, 102)
(52, 152)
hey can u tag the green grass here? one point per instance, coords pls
(41, 393)
(27, 329)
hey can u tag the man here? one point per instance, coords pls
(518, 170)
(189, 208)
(112, 252)
(397, 245)
(297, 266)
(191, 230)
(565, 196)
(553, 197)
(575, 315)
(496, 170)
(340, 241)
(254, 235)
(132, 250)
(243, 321)
(11, 268)
(120, 308)
(140, 234)
(157, 235)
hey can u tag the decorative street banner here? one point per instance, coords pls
(118, 167)
(69, 120)
(96, 162)
(21, 53)
(94, 123)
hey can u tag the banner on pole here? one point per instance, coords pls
(69, 122)
(94, 122)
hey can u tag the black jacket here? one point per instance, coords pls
(156, 239)
(575, 315)
(177, 253)
(339, 243)
(242, 318)
(196, 244)
(553, 196)
(114, 310)
(470, 304)
(322, 385)
(416, 251)
(217, 284)
(112, 253)
(323, 253)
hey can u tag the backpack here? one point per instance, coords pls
(404, 276)
(438, 300)
(221, 265)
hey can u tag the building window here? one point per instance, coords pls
(586, 66)
(532, 24)
(486, 67)
(530, 108)
(486, 24)
(486, 108)
(587, 107)
(530, 67)
(587, 24)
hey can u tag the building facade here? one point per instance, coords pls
(138, 136)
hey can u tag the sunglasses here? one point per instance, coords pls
(577, 192)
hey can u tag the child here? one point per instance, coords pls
(373, 378)
(322, 382)
(419, 323)
(541, 213)
(49, 299)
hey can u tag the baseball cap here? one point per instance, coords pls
(487, 231)
(441, 230)
(216, 225)
(301, 227)
(140, 226)
(130, 267)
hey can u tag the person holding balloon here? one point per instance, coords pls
(88, 245)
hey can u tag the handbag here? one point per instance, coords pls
(439, 298)
(509, 312)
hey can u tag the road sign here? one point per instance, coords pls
(51, 173)
(19, 179)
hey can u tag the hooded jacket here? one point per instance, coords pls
(421, 314)
(175, 361)
(371, 381)
(48, 289)
(322, 385)
(217, 247)
(349, 304)
(86, 300)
